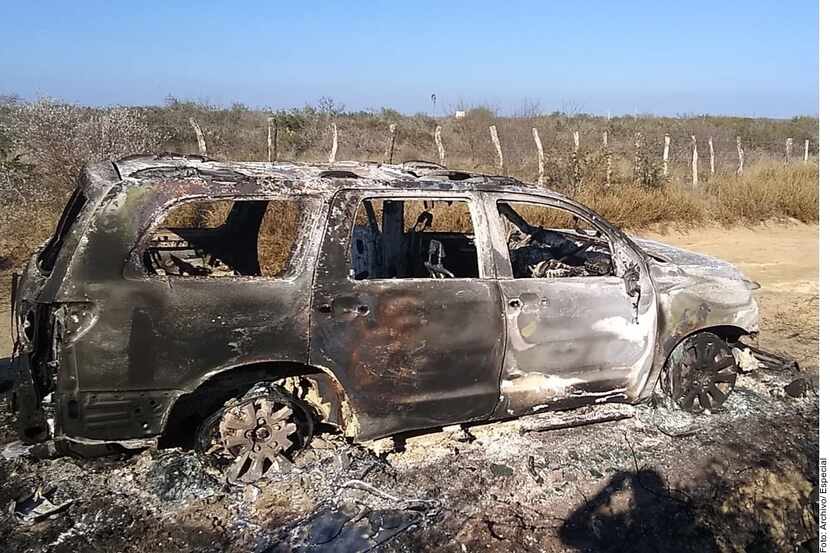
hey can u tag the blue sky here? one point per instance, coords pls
(743, 57)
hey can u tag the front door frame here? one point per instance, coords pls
(531, 382)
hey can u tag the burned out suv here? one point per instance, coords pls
(238, 306)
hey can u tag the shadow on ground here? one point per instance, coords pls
(636, 512)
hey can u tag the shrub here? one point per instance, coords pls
(59, 138)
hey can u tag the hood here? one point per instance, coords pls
(690, 262)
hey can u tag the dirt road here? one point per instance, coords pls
(741, 480)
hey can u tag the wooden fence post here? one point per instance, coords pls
(788, 150)
(494, 135)
(541, 154)
(711, 157)
(439, 144)
(200, 138)
(333, 153)
(576, 166)
(666, 143)
(806, 149)
(607, 158)
(271, 133)
(638, 157)
(390, 148)
(740, 156)
(694, 161)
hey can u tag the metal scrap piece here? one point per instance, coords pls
(575, 422)
(38, 506)
(745, 360)
(773, 361)
(350, 526)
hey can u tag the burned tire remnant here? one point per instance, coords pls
(700, 374)
(256, 434)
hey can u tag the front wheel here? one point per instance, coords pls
(700, 373)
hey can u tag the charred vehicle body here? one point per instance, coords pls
(239, 305)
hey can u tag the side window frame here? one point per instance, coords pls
(478, 217)
(504, 269)
(311, 206)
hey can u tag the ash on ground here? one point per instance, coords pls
(652, 479)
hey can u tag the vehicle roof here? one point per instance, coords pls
(315, 178)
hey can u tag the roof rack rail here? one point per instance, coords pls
(222, 174)
(447, 174)
(421, 164)
(167, 155)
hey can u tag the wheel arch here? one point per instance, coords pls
(325, 394)
(727, 332)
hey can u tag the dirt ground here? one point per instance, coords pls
(741, 480)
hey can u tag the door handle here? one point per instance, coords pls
(361, 309)
(515, 303)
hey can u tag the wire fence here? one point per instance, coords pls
(548, 150)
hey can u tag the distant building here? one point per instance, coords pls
(460, 114)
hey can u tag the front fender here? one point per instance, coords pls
(689, 304)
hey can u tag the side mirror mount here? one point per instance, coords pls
(631, 278)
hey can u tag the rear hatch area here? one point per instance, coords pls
(35, 322)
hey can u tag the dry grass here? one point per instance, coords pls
(24, 228)
(198, 215)
(768, 190)
(633, 206)
(278, 236)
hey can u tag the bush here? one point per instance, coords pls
(59, 138)
(43, 146)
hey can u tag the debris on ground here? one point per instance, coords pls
(575, 422)
(770, 360)
(174, 476)
(14, 450)
(500, 471)
(38, 506)
(656, 473)
(345, 528)
(798, 387)
(745, 360)
(17, 448)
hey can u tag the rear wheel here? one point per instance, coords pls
(256, 434)
(700, 374)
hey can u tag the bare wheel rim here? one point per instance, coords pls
(704, 375)
(256, 435)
